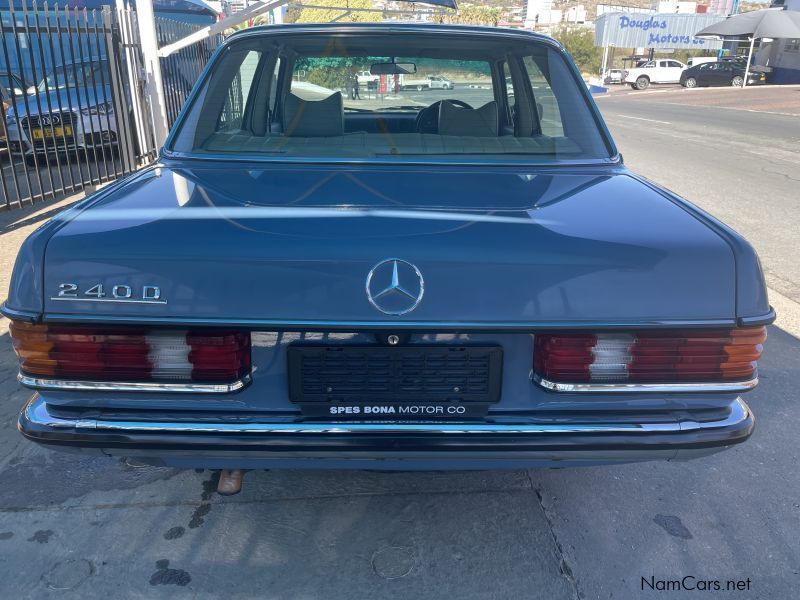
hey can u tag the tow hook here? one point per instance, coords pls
(230, 482)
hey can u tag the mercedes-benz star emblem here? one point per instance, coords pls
(395, 286)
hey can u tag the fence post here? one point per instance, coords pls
(115, 61)
(153, 85)
(129, 54)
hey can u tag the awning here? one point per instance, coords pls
(768, 23)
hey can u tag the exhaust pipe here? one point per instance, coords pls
(230, 482)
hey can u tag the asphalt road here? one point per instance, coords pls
(82, 527)
(739, 161)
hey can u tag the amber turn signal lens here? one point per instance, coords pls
(650, 356)
(92, 353)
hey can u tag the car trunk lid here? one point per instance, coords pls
(499, 248)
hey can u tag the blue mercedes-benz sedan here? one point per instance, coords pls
(316, 275)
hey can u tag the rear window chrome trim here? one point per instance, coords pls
(40, 383)
(637, 388)
(409, 161)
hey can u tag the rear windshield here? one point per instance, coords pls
(358, 98)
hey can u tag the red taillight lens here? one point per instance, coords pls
(650, 357)
(127, 354)
(219, 357)
(565, 357)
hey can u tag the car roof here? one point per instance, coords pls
(389, 27)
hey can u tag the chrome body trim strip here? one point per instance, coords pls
(19, 315)
(663, 388)
(113, 300)
(765, 319)
(36, 413)
(405, 325)
(122, 386)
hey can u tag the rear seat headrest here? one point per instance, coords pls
(475, 122)
(313, 118)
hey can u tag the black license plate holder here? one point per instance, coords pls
(414, 381)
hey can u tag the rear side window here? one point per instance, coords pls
(546, 103)
(273, 87)
(233, 111)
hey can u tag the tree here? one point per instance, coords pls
(473, 15)
(330, 72)
(338, 12)
(579, 42)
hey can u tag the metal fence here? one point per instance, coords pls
(73, 111)
(180, 70)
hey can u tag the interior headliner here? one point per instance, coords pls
(423, 45)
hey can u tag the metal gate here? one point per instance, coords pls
(73, 109)
(180, 70)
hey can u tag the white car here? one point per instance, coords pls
(365, 77)
(432, 82)
(70, 110)
(654, 71)
(693, 61)
(614, 76)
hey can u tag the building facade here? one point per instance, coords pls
(537, 12)
(722, 7)
(781, 55)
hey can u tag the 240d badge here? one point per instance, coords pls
(147, 294)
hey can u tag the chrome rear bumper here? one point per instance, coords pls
(385, 445)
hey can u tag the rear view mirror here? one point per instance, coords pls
(393, 68)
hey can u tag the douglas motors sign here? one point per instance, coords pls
(661, 35)
(647, 30)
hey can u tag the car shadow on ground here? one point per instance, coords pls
(32, 214)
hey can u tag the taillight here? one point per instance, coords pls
(92, 353)
(649, 357)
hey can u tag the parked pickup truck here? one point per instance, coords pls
(432, 82)
(654, 71)
(365, 77)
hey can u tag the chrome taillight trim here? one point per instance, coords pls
(664, 388)
(39, 383)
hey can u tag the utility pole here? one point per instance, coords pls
(153, 88)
